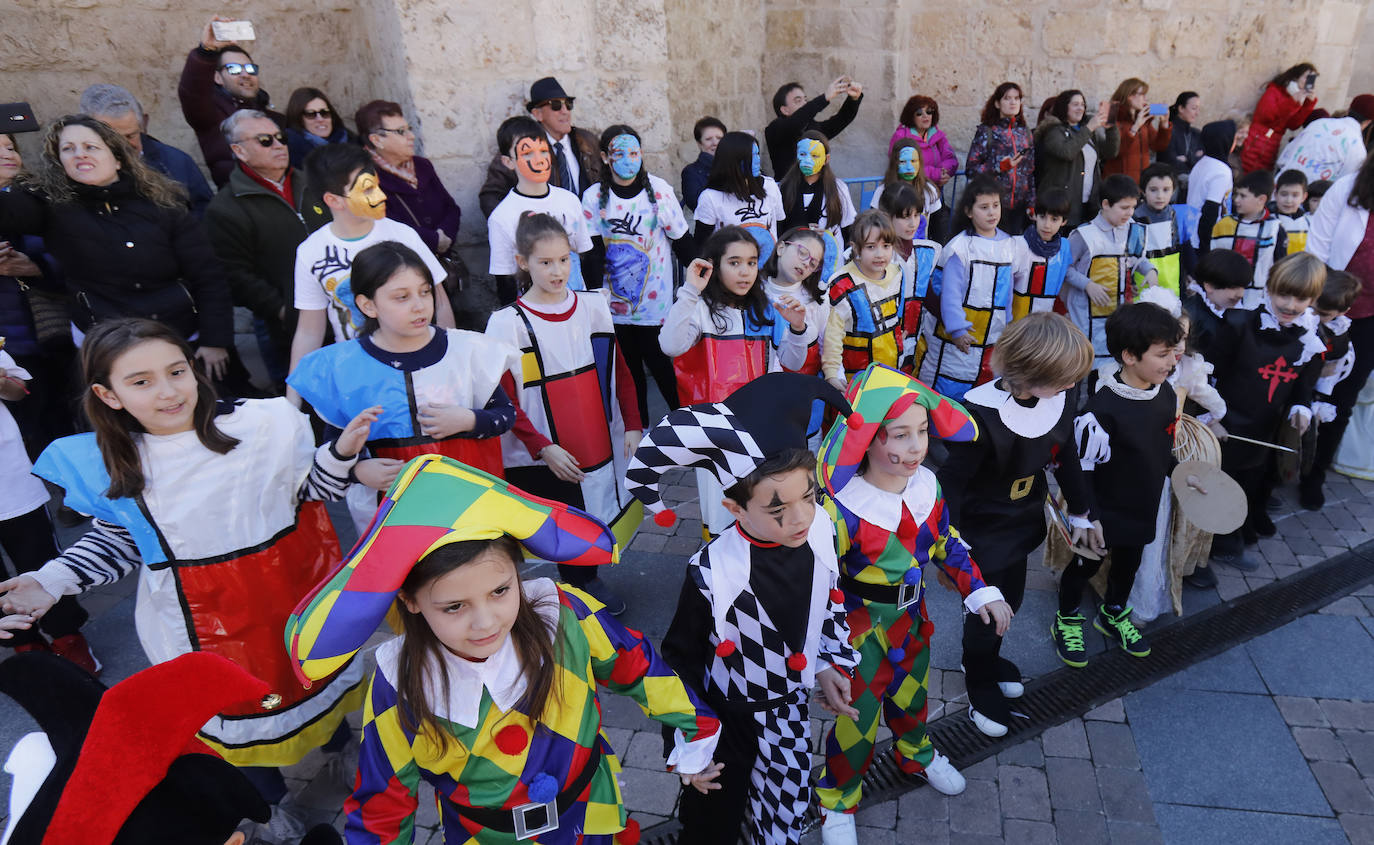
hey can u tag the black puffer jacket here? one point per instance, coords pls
(124, 256)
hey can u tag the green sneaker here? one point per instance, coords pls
(1121, 631)
(1068, 639)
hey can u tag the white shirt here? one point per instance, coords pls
(1325, 149)
(1338, 228)
(324, 263)
(21, 491)
(718, 209)
(563, 206)
(1210, 181)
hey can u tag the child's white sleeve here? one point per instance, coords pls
(501, 239)
(670, 215)
(794, 346)
(1093, 442)
(953, 289)
(580, 234)
(832, 344)
(309, 295)
(681, 327)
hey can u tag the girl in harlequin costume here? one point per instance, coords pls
(439, 389)
(891, 522)
(916, 255)
(723, 332)
(865, 304)
(490, 694)
(995, 484)
(219, 509)
(758, 621)
(978, 271)
(577, 419)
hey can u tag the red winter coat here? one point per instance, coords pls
(1276, 114)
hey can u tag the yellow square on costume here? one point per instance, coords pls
(885, 350)
(888, 307)
(979, 330)
(529, 368)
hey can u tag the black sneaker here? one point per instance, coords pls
(1067, 632)
(602, 592)
(1239, 560)
(1203, 578)
(1118, 628)
(1311, 497)
(1263, 525)
(1274, 504)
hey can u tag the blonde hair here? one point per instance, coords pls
(1043, 349)
(1302, 275)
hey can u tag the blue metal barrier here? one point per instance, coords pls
(865, 186)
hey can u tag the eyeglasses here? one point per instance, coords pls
(403, 131)
(558, 105)
(236, 68)
(264, 139)
(809, 261)
(314, 113)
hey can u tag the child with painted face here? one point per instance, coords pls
(491, 692)
(577, 419)
(759, 622)
(1253, 231)
(1125, 439)
(723, 332)
(1167, 246)
(904, 167)
(1218, 283)
(916, 255)
(1290, 207)
(811, 194)
(439, 389)
(635, 216)
(865, 303)
(219, 509)
(892, 525)
(978, 272)
(995, 484)
(738, 194)
(525, 149)
(347, 179)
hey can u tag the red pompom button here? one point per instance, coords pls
(630, 835)
(854, 420)
(512, 739)
(837, 596)
(796, 662)
(726, 648)
(665, 518)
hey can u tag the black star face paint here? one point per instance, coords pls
(775, 508)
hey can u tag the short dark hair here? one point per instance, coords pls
(788, 460)
(369, 116)
(780, 96)
(1224, 269)
(1258, 182)
(513, 129)
(328, 168)
(705, 123)
(1053, 201)
(1339, 292)
(300, 98)
(232, 48)
(1318, 188)
(1136, 327)
(1118, 187)
(1158, 170)
(1291, 177)
(900, 199)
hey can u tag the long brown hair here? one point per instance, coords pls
(536, 642)
(791, 184)
(116, 431)
(891, 178)
(1122, 111)
(50, 177)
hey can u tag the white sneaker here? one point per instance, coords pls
(986, 725)
(839, 829)
(1011, 689)
(285, 827)
(942, 775)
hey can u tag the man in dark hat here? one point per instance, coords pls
(576, 152)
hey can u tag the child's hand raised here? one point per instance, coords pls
(999, 612)
(698, 274)
(349, 443)
(704, 780)
(562, 463)
(834, 692)
(440, 421)
(791, 310)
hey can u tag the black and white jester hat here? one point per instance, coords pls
(729, 439)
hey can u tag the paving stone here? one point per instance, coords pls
(925, 831)
(619, 738)
(650, 791)
(1276, 551)
(1230, 671)
(1297, 658)
(1124, 795)
(650, 526)
(1081, 827)
(1314, 519)
(1344, 790)
(1230, 586)
(1298, 710)
(924, 804)
(933, 686)
(1358, 828)
(1360, 744)
(1134, 833)
(646, 542)
(1072, 784)
(1358, 715)
(1346, 606)
(1309, 560)
(876, 835)
(685, 546)
(1112, 745)
(1025, 832)
(1024, 793)
(882, 815)
(985, 769)
(952, 685)
(1027, 753)
(1341, 519)
(1066, 740)
(1285, 570)
(1319, 744)
(977, 810)
(645, 751)
(1112, 711)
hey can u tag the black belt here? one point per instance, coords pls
(536, 817)
(902, 595)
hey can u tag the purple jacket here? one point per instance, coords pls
(427, 208)
(937, 157)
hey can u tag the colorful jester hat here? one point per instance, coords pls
(122, 766)
(434, 501)
(879, 394)
(728, 439)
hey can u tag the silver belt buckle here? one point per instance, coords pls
(545, 818)
(907, 594)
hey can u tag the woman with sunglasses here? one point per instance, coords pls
(415, 195)
(126, 243)
(312, 121)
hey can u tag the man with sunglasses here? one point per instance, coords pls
(219, 79)
(576, 154)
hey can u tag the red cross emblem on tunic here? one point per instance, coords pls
(1277, 373)
(1172, 427)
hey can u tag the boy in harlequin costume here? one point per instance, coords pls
(122, 766)
(891, 522)
(758, 621)
(491, 693)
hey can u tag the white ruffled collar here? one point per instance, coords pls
(1308, 322)
(1107, 378)
(1211, 306)
(884, 509)
(1025, 420)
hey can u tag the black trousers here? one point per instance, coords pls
(1120, 578)
(1343, 397)
(28, 542)
(717, 817)
(541, 481)
(639, 345)
(49, 411)
(982, 645)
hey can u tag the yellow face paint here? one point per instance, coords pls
(365, 197)
(810, 156)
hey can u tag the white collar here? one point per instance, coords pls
(883, 508)
(1106, 378)
(1025, 420)
(1339, 325)
(1211, 306)
(499, 674)
(1308, 322)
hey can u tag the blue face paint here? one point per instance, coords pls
(756, 163)
(906, 163)
(625, 156)
(810, 156)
